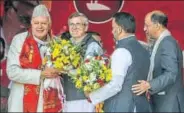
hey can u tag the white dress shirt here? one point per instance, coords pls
(42, 46)
(121, 60)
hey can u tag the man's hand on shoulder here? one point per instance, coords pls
(141, 87)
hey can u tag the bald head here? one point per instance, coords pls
(158, 17)
(155, 24)
(158, 12)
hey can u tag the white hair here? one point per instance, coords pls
(77, 14)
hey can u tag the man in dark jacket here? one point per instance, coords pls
(129, 63)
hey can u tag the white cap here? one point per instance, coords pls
(40, 10)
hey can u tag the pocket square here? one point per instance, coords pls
(161, 93)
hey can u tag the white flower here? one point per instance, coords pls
(88, 66)
(102, 62)
(92, 77)
(49, 63)
(68, 67)
(89, 57)
(65, 47)
(48, 52)
(88, 81)
(71, 57)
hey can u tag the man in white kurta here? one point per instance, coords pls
(20, 76)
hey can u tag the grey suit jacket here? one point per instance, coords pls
(166, 87)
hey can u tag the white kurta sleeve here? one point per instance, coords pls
(14, 70)
(121, 60)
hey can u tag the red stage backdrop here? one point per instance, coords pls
(60, 11)
(99, 19)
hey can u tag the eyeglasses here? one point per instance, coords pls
(77, 25)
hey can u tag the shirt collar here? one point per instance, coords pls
(40, 41)
(125, 38)
(75, 42)
(165, 33)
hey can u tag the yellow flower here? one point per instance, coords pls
(102, 76)
(55, 53)
(104, 67)
(84, 78)
(99, 107)
(108, 78)
(44, 61)
(66, 60)
(64, 42)
(73, 52)
(87, 88)
(57, 45)
(78, 71)
(96, 86)
(76, 61)
(109, 75)
(72, 56)
(78, 84)
(58, 63)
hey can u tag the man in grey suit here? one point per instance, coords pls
(165, 76)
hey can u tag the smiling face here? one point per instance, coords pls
(40, 26)
(77, 27)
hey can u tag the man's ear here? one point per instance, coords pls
(119, 30)
(157, 25)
